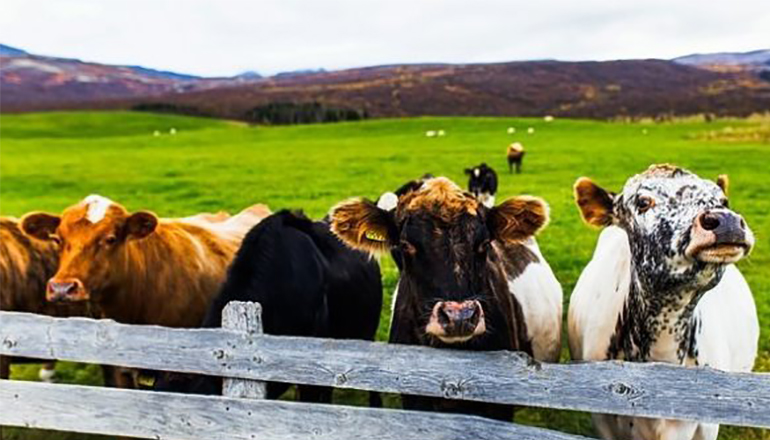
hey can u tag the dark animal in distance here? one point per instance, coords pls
(515, 154)
(482, 183)
(308, 283)
(459, 265)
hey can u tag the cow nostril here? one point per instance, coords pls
(475, 314)
(743, 223)
(709, 221)
(442, 315)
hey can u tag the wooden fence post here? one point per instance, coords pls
(245, 317)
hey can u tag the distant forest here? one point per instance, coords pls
(274, 113)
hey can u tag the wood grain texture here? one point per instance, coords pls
(651, 390)
(246, 318)
(188, 417)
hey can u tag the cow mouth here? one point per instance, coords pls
(722, 253)
(75, 298)
(457, 339)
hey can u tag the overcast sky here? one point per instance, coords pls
(225, 37)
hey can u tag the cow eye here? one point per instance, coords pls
(110, 240)
(726, 203)
(408, 248)
(484, 246)
(644, 203)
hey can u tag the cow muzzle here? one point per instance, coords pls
(66, 290)
(719, 236)
(456, 322)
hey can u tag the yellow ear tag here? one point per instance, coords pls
(146, 380)
(374, 236)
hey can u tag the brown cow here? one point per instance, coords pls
(515, 154)
(136, 268)
(26, 265)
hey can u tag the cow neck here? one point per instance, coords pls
(657, 322)
(508, 264)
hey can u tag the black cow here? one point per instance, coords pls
(308, 283)
(482, 183)
(458, 258)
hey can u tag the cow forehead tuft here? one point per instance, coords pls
(665, 170)
(440, 196)
(96, 207)
(667, 179)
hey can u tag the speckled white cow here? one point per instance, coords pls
(662, 286)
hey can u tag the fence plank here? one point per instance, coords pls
(245, 317)
(652, 390)
(187, 417)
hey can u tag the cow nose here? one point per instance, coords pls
(459, 314)
(63, 290)
(727, 227)
(453, 321)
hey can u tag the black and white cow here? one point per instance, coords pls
(482, 183)
(308, 283)
(461, 264)
(662, 287)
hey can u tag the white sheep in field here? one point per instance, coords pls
(172, 131)
(441, 133)
(511, 130)
(431, 133)
(548, 118)
(531, 130)
(156, 133)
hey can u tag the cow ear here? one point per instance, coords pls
(141, 224)
(595, 203)
(518, 219)
(361, 225)
(723, 182)
(468, 171)
(40, 225)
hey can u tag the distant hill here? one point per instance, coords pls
(574, 89)
(758, 59)
(8, 51)
(40, 82)
(249, 74)
(530, 88)
(301, 72)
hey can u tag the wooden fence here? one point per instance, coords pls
(247, 358)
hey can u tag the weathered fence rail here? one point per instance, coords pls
(242, 354)
(173, 416)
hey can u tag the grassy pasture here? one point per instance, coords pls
(50, 161)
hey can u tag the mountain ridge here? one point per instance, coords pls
(594, 89)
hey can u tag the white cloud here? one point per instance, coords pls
(223, 37)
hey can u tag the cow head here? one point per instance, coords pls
(92, 236)
(681, 230)
(451, 272)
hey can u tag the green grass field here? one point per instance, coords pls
(50, 161)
